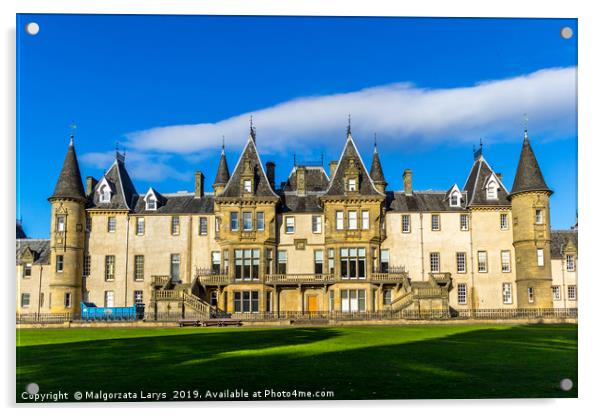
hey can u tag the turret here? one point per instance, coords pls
(223, 174)
(376, 172)
(530, 199)
(67, 237)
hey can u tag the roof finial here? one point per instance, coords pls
(73, 127)
(223, 144)
(252, 127)
(375, 150)
(295, 159)
(478, 153)
(349, 124)
(526, 124)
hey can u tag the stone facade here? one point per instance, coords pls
(338, 242)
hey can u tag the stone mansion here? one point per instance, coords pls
(324, 240)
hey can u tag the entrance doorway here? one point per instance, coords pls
(312, 303)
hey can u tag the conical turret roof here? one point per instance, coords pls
(69, 184)
(528, 174)
(376, 170)
(223, 173)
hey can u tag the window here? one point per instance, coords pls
(138, 267)
(41, 299)
(331, 260)
(316, 224)
(464, 222)
(281, 262)
(59, 263)
(140, 226)
(247, 186)
(138, 297)
(482, 261)
(269, 261)
(60, 223)
(151, 204)
(339, 220)
(67, 300)
(234, 221)
(461, 262)
(268, 301)
(226, 262)
(384, 261)
(318, 261)
(216, 262)
(434, 257)
(507, 293)
(260, 220)
(435, 222)
(174, 270)
(352, 220)
(352, 185)
(25, 298)
(217, 221)
(105, 193)
(462, 293)
(505, 255)
(570, 263)
(246, 264)
(405, 224)
(556, 292)
(540, 260)
(27, 270)
(109, 298)
(353, 300)
(202, 225)
(504, 221)
(175, 225)
(572, 292)
(365, 220)
(290, 225)
(111, 224)
(86, 268)
(353, 263)
(247, 221)
(387, 293)
(454, 200)
(247, 301)
(331, 301)
(539, 216)
(530, 294)
(492, 190)
(109, 268)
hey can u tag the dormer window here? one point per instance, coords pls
(151, 204)
(455, 199)
(352, 185)
(151, 200)
(492, 190)
(247, 186)
(105, 193)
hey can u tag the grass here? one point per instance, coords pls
(372, 362)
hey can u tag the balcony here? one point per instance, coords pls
(214, 279)
(391, 277)
(299, 278)
(159, 281)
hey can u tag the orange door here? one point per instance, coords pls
(312, 303)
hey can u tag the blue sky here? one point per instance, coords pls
(168, 87)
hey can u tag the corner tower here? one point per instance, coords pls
(67, 225)
(223, 174)
(376, 172)
(530, 199)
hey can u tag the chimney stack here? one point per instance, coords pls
(333, 165)
(270, 168)
(199, 184)
(301, 176)
(407, 182)
(90, 184)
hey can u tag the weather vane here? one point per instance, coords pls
(72, 127)
(525, 120)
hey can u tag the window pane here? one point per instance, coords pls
(260, 221)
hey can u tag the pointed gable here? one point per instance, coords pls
(351, 161)
(69, 184)
(248, 165)
(123, 192)
(528, 174)
(475, 187)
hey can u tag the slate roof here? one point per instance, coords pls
(262, 185)
(223, 173)
(20, 232)
(290, 202)
(559, 240)
(39, 247)
(422, 201)
(178, 203)
(123, 194)
(316, 179)
(528, 175)
(376, 170)
(69, 184)
(337, 182)
(476, 182)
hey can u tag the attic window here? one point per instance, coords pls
(352, 185)
(492, 190)
(247, 185)
(105, 193)
(151, 204)
(454, 201)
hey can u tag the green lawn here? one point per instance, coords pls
(380, 362)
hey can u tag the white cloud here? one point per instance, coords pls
(398, 113)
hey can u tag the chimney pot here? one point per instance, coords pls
(199, 184)
(407, 182)
(270, 168)
(90, 184)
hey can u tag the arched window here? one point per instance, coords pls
(492, 190)
(105, 193)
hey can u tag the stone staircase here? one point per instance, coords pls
(430, 294)
(175, 298)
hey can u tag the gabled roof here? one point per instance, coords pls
(528, 175)
(39, 247)
(123, 191)
(475, 185)
(337, 182)
(421, 201)
(559, 241)
(223, 173)
(376, 170)
(178, 203)
(316, 179)
(69, 184)
(20, 232)
(262, 185)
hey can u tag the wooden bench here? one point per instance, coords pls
(222, 322)
(189, 322)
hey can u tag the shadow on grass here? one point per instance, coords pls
(522, 361)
